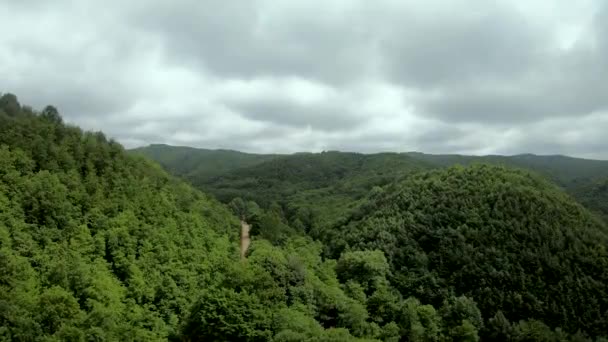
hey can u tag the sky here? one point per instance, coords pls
(469, 77)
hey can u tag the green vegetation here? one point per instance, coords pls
(199, 165)
(531, 260)
(567, 172)
(311, 190)
(97, 244)
(508, 239)
(330, 184)
(594, 195)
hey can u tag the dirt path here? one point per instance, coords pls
(245, 240)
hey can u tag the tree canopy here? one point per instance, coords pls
(506, 238)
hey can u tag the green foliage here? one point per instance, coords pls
(594, 195)
(96, 244)
(225, 315)
(506, 238)
(199, 165)
(9, 104)
(283, 293)
(364, 267)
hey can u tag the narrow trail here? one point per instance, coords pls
(245, 239)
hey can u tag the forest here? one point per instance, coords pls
(100, 243)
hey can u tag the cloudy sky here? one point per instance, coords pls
(473, 77)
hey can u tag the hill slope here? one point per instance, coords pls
(96, 243)
(314, 190)
(335, 181)
(198, 165)
(565, 171)
(508, 239)
(594, 195)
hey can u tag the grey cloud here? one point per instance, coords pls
(568, 84)
(505, 73)
(239, 39)
(511, 105)
(74, 102)
(325, 116)
(475, 76)
(453, 45)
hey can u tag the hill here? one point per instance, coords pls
(93, 242)
(97, 244)
(203, 167)
(565, 171)
(313, 190)
(198, 165)
(324, 187)
(514, 243)
(594, 195)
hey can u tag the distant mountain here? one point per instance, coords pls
(196, 164)
(354, 173)
(567, 172)
(324, 177)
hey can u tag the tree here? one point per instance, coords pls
(9, 104)
(247, 211)
(51, 114)
(499, 328)
(363, 267)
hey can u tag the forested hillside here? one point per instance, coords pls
(565, 171)
(211, 167)
(514, 243)
(594, 195)
(98, 245)
(581, 178)
(199, 165)
(331, 183)
(311, 190)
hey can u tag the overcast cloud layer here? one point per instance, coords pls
(473, 77)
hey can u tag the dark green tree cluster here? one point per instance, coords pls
(277, 179)
(517, 245)
(290, 293)
(594, 195)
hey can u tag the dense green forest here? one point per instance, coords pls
(313, 190)
(508, 239)
(97, 244)
(198, 165)
(321, 188)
